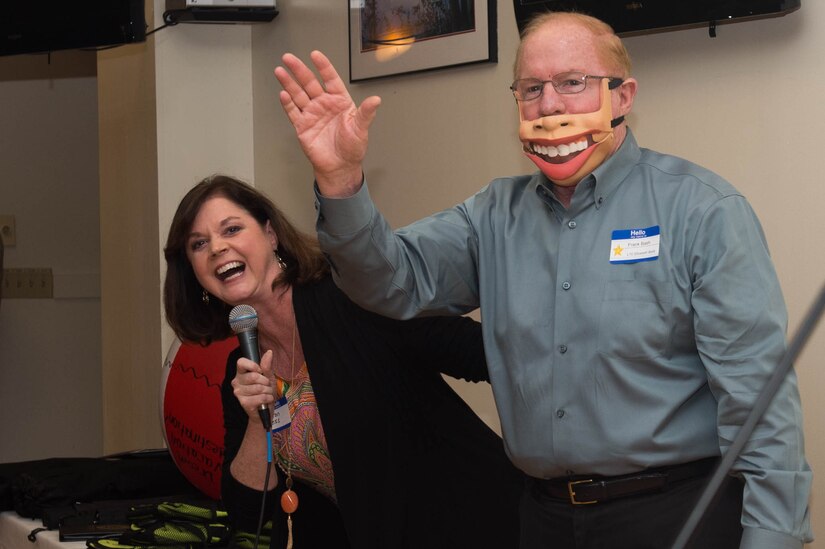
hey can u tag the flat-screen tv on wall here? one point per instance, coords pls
(630, 17)
(30, 26)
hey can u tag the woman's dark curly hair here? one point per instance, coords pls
(187, 314)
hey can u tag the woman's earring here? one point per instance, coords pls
(205, 297)
(280, 260)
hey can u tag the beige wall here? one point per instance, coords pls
(50, 376)
(129, 226)
(204, 115)
(172, 111)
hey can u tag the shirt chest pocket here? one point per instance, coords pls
(635, 319)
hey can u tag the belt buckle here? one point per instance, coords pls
(572, 492)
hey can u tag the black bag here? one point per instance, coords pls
(33, 486)
(172, 524)
(85, 521)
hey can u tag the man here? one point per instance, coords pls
(631, 311)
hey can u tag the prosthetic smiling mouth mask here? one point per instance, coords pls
(567, 147)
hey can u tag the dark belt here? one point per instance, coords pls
(582, 490)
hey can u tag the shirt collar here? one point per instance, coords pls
(541, 186)
(615, 169)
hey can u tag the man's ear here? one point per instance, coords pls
(627, 93)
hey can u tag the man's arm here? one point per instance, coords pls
(740, 325)
(427, 268)
(370, 263)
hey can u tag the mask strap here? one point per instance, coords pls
(616, 121)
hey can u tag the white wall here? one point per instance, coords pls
(204, 115)
(50, 366)
(746, 104)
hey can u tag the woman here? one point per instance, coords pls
(381, 452)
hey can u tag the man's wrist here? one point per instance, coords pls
(346, 215)
(340, 185)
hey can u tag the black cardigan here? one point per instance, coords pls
(414, 466)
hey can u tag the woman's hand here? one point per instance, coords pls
(332, 131)
(253, 384)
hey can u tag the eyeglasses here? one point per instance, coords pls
(527, 89)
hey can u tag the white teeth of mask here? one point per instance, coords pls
(562, 150)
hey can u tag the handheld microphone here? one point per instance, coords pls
(243, 319)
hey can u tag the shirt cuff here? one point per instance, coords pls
(344, 216)
(756, 538)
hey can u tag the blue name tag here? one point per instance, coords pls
(280, 415)
(634, 245)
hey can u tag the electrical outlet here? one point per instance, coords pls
(28, 283)
(7, 230)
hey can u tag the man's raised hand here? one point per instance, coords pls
(332, 131)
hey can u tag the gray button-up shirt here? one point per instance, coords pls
(633, 329)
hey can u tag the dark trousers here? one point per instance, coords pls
(649, 521)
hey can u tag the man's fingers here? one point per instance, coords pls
(293, 89)
(290, 108)
(366, 112)
(299, 80)
(332, 80)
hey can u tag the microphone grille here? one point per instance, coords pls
(243, 318)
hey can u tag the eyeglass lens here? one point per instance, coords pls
(569, 82)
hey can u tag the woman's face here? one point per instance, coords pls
(231, 253)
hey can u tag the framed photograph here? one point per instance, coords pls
(390, 37)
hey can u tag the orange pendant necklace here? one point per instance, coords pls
(289, 499)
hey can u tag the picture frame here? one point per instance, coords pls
(394, 37)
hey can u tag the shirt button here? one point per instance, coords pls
(562, 349)
(565, 285)
(601, 199)
(571, 224)
(559, 414)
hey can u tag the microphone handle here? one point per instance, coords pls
(248, 340)
(249, 345)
